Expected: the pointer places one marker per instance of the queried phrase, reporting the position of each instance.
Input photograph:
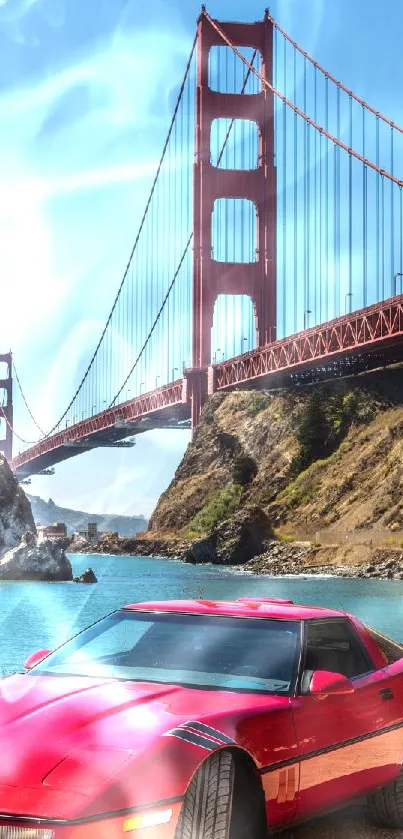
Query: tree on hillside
(312, 433)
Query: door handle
(386, 693)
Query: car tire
(207, 806)
(386, 804)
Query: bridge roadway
(362, 340)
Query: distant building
(51, 531)
(92, 530)
(91, 534)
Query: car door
(348, 743)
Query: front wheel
(207, 806)
(386, 804)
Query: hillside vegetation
(319, 458)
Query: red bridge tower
(6, 409)
(210, 277)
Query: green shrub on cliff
(244, 469)
(257, 403)
(325, 421)
(217, 508)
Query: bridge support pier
(6, 409)
(195, 391)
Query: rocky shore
(280, 558)
(242, 542)
(112, 545)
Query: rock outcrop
(234, 541)
(29, 561)
(280, 558)
(15, 510)
(87, 576)
(78, 544)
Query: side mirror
(35, 658)
(324, 683)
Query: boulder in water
(30, 561)
(87, 576)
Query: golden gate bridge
(270, 250)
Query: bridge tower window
(234, 144)
(234, 327)
(234, 230)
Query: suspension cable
(182, 259)
(331, 78)
(25, 401)
(159, 313)
(297, 110)
(14, 433)
(147, 207)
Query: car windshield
(256, 655)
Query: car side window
(335, 646)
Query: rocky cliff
(15, 510)
(322, 459)
(20, 556)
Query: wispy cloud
(59, 145)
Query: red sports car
(201, 720)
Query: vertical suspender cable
(238, 217)
(350, 204)
(242, 163)
(364, 217)
(337, 242)
(188, 213)
(175, 226)
(378, 293)
(401, 230)
(295, 174)
(392, 211)
(335, 313)
(315, 204)
(306, 231)
(284, 237)
(327, 201)
(383, 236)
(320, 278)
(225, 206)
(182, 187)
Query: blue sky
(84, 90)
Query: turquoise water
(35, 615)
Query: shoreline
(281, 560)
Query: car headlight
(11, 832)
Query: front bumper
(157, 822)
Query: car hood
(102, 724)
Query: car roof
(261, 607)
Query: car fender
(163, 774)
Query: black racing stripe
(125, 811)
(192, 737)
(212, 732)
(333, 748)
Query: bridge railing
(358, 332)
